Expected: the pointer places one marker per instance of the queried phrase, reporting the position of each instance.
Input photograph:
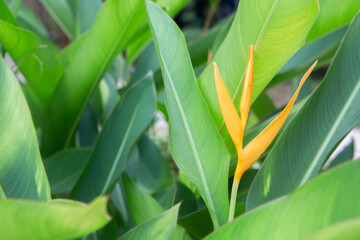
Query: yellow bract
(236, 125)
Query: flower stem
(233, 199)
(234, 190)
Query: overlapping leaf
(53, 220)
(277, 29)
(22, 173)
(35, 57)
(61, 12)
(126, 123)
(64, 168)
(327, 116)
(159, 227)
(333, 15)
(327, 199)
(116, 22)
(195, 144)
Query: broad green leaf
(263, 106)
(14, 6)
(142, 205)
(5, 13)
(172, 7)
(90, 61)
(59, 219)
(194, 141)
(159, 227)
(302, 148)
(34, 57)
(28, 20)
(87, 128)
(22, 173)
(187, 199)
(132, 163)
(329, 198)
(2, 194)
(198, 224)
(126, 123)
(152, 172)
(277, 29)
(346, 230)
(64, 168)
(333, 15)
(166, 197)
(200, 48)
(322, 49)
(86, 13)
(345, 155)
(118, 198)
(61, 12)
(146, 62)
(66, 55)
(110, 231)
(109, 95)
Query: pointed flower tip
(306, 75)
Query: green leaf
(87, 128)
(145, 63)
(159, 227)
(277, 29)
(64, 168)
(118, 199)
(61, 12)
(263, 106)
(22, 173)
(51, 220)
(142, 205)
(14, 6)
(98, 50)
(302, 148)
(346, 230)
(86, 13)
(5, 13)
(34, 57)
(194, 141)
(199, 48)
(125, 125)
(345, 155)
(2, 194)
(153, 172)
(329, 198)
(166, 197)
(172, 7)
(28, 20)
(187, 199)
(333, 15)
(322, 49)
(198, 224)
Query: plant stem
(209, 17)
(233, 198)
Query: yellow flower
(236, 125)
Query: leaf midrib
(190, 137)
(121, 149)
(330, 134)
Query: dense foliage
(126, 133)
